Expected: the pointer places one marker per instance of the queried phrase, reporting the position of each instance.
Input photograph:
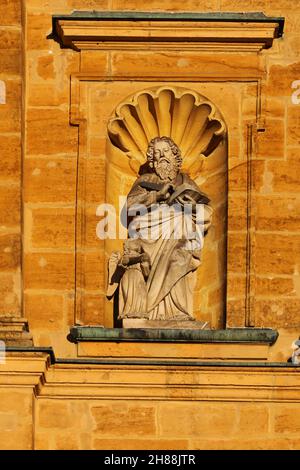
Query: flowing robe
(164, 233)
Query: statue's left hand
(185, 199)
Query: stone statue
(154, 276)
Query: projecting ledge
(140, 30)
(242, 344)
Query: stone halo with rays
(191, 121)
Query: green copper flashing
(231, 335)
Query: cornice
(146, 31)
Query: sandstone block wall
(11, 79)
(50, 165)
(36, 73)
(75, 407)
(38, 168)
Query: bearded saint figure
(155, 275)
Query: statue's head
(164, 157)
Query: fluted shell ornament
(192, 122)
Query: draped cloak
(173, 241)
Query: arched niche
(198, 128)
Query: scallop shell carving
(191, 121)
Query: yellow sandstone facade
(59, 85)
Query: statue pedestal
(169, 324)
(135, 345)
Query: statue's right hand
(165, 192)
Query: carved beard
(166, 169)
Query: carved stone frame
(235, 37)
